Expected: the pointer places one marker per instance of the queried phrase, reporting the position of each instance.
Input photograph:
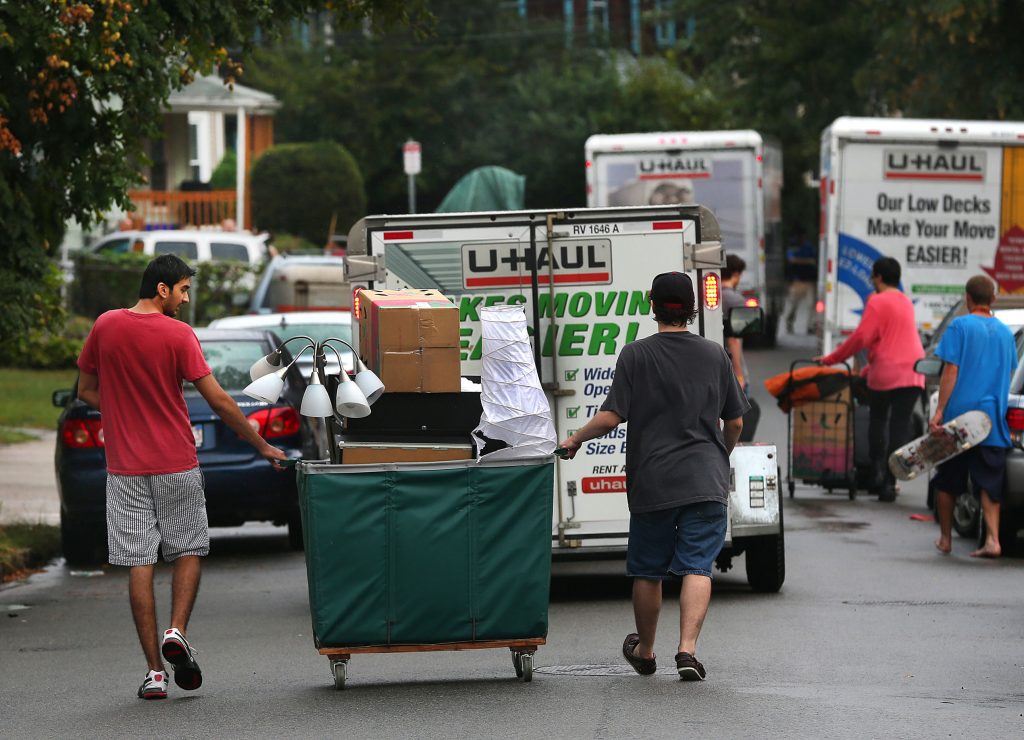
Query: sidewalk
(28, 485)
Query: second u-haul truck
(736, 174)
(945, 198)
(582, 277)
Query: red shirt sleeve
(191, 364)
(863, 336)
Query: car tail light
(1015, 420)
(276, 422)
(752, 303)
(82, 433)
(819, 307)
(712, 294)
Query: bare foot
(943, 545)
(988, 551)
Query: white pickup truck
(582, 277)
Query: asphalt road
(874, 634)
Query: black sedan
(240, 485)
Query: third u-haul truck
(582, 278)
(945, 198)
(736, 174)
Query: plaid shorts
(145, 512)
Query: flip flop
(643, 666)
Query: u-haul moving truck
(736, 174)
(945, 198)
(582, 278)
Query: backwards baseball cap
(672, 290)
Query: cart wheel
(517, 662)
(340, 670)
(526, 661)
(792, 488)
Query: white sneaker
(155, 686)
(182, 657)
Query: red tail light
(1015, 420)
(712, 294)
(82, 433)
(752, 303)
(279, 422)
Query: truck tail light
(82, 433)
(355, 303)
(276, 422)
(712, 293)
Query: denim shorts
(681, 541)
(984, 465)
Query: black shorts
(984, 465)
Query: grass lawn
(25, 396)
(26, 546)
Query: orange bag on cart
(806, 384)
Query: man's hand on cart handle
(273, 455)
(567, 449)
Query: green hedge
(105, 282)
(297, 187)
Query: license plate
(197, 432)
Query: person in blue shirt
(980, 356)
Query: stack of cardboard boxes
(410, 339)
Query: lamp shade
(267, 388)
(316, 401)
(370, 385)
(266, 365)
(350, 401)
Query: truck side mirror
(744, 321)
(928, 366)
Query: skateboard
(957, 435)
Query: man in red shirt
(132, 368)
(888, 330)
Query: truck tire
(85, 545)
(766, 563)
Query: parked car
(318, 325)
(301, 283)
(240, 485)
(967, 512)
(192, 245)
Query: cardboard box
(428, 370)
(363, 453)
(410, 338)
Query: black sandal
(643, 666)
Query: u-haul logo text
(672, 167)
(604, 484)
(915, 164)
(512, 264)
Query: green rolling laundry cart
(408, 557)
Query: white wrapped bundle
(515, 409)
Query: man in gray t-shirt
(675, 388)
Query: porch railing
(164, 209)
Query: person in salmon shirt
(888, 331)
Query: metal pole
(412, 193)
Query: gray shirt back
(673, 388)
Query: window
(114, 246)
(228, 251)
(230, 361)
(186, 250)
